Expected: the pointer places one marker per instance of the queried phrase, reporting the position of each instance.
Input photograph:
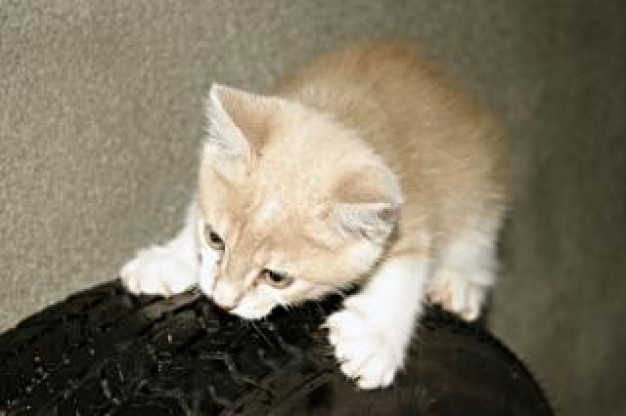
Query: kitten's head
(292, 205)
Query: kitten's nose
(225, 296)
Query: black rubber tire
(105, 352)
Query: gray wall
(101, 118)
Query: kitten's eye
(213, 239)
(277, 280)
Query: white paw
(367, 353)
(457, 294)
(156, 271)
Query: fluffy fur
(365, 166)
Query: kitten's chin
(249, 313)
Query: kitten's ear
(238, 127)
(368, 203)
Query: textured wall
(101, 118)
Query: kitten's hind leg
(372, 333)
(166, 269)
(465, 271)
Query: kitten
(365, 166)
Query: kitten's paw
(457, 294)
(156, 271)
(367, 353)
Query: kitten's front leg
(167, 269)
(372, 333)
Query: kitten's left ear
(238, 126)
(368, 203)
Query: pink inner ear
(368, 202)
(370, 184)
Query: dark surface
(104, 351)
(101, 120)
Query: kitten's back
(446, 149)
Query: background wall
(101, 120)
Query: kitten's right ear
(237, 128)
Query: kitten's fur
(365, 165)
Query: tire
(105, 352)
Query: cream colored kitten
(367, 165)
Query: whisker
(340, 292)
(262, 334)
